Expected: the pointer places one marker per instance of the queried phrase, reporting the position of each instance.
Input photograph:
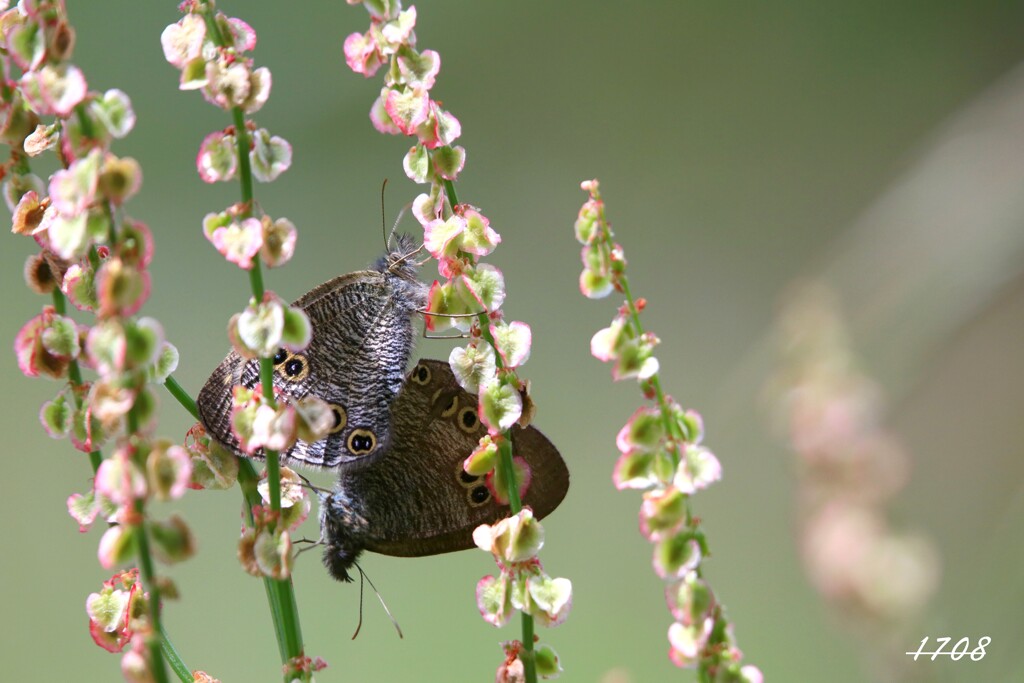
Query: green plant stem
(248, 478)
(174, 659)
(75, 375)
(85, 121)
(157, 662)
(638, 329)
(280, 594)
(181, 396)
(655, 381)
(244, 165)
(515, 504)
(449, 189)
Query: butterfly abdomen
(343, 527)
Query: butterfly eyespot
(465, 478)
(340, 419)
(296, 368)
(479, 495)
(420, 374)
(280, 356)
(451, 407)
(467, 420)
(361, 441)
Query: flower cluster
(522, 584)
(661, 454)
(469, 294)
(210, 49)
(850, 468)
(114, 610)
(213, 467)
(91, 254)
(512, 670)
(265, 548)
(212, 53)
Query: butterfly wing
(417, 500)
(361, 339)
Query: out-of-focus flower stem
(178, 666)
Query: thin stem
(248, 478)
(638, 329)
(182, 396)
(244, 166)
(668, 424)
(515, 504)
(508, 471)
(85, 121)
(289, 617)
(280, 594)
(655, 381)
(158, 666)
(174, 659)
(449, 189)
(75, 375)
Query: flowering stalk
(469, 297)
(662, 456)
(877, 577)
(94, 256)
(210, 50)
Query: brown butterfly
(355, 361)
(417, 499)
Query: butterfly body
(362, 335)
(417, 500)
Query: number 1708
(961, 649)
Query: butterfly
(417, 499)
(362, 336)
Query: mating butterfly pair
(398, 440)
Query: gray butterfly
(362, 336)
(416, 499)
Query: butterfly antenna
(359, 626)
(307, 484)
(394, 227)
(383, 224)
(362, 577)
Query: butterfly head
(401, 258)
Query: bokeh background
(741, 147)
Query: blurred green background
(740, 146)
